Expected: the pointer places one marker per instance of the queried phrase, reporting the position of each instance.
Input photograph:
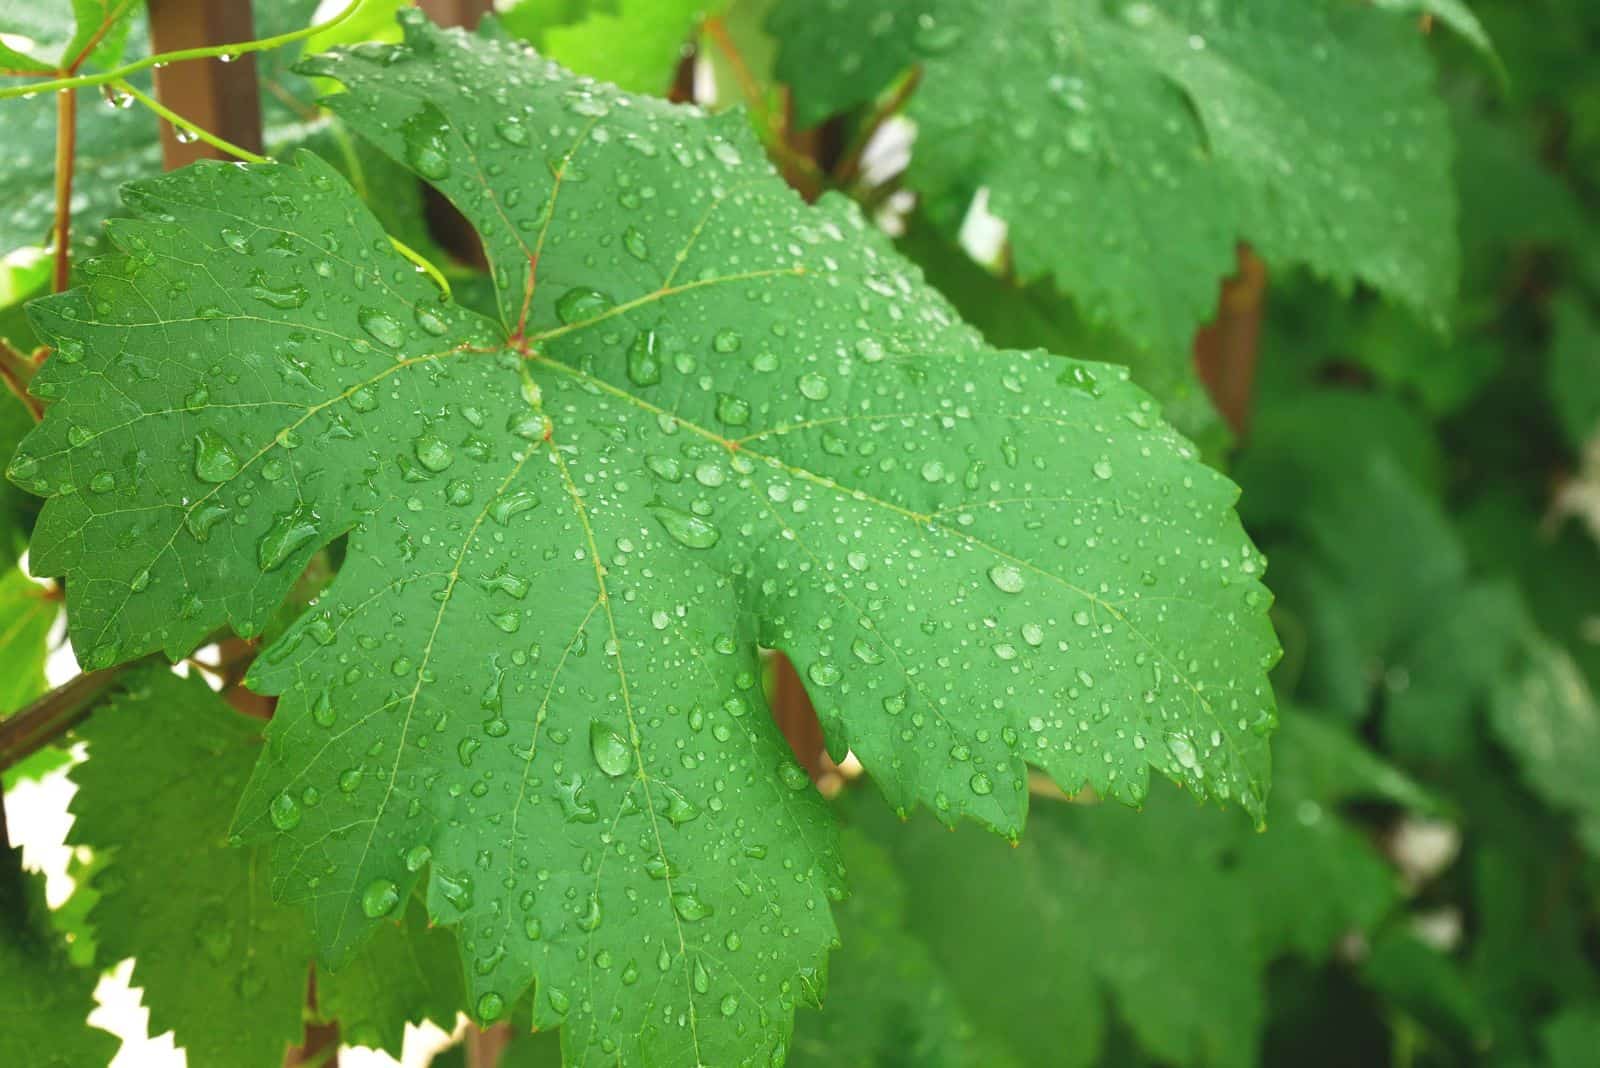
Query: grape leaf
(1574, 371)
(114, 145)
(887, 1001)
(1132, 144)
(708, 417)
(408, 973)
(62, 30)
(1454, 14)
(1432, 712)
(1571, 1036)
(221, 966)
(26, 615)
(638, 45)
(1011, 315)
(1548, 718)
(44, 1013)
(1172, 915)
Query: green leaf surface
(221, 965)
(408, 973)
(61, 30)
(26, 615)
(1171, 915)
(638, 46)
(887, 1002)
(1014, 316)
(17, 508)
(1432, 705)
(1571, 1038)
(1454, 14)
(1574, 371)
(1131, 145)
(1548, 718)
(45, 1000)
(535, 676)
(114, 145)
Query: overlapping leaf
(45, 1000)
(1170, 916)
(1131, 144)
(708, 418)
(219, 963)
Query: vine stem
(185, 125)
(237, 48)
(17, 370)
(27, 731)
(66, 157)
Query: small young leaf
(220, 964)
(47, 1000)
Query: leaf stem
(237, 48)
(66, 156)
(423, 264)
(17, 370)
(181, 123)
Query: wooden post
(1225, 350)
(447, 225)
(463, 13)
(223, 98)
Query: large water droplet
(383, 328)
(580, 304)
(432, 453)
(284, 812)
(288, 532)
(214, 460)
(611, 751)
(686, 529)
(1006, 578)
(379, 898)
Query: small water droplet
(379, 898)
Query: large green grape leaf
(1132, 144)
(1172, 916)
(220, 964)
(708, 418)
(45, 1000)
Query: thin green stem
(181, 123)
(237, 48)
(423, 264)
